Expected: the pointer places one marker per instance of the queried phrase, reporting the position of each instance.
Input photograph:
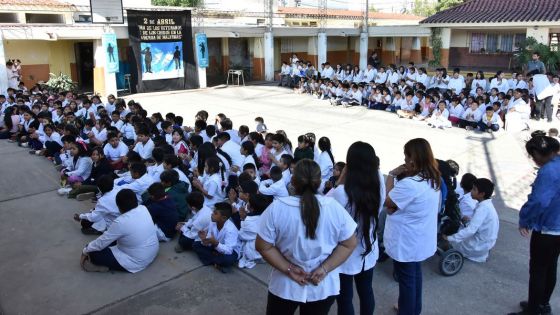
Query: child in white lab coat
(490, 120)
(466, 202)
(105, 211)
(249, 227)
(477, 239)
(440, 117)
(274, 186)
(199, 221)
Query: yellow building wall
(57, 54)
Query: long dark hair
(325, 145)
(250, 148)
(306, 179)
(362, 188)
(8, 119)
(205, 151)
(423, 163)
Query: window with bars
(494, 43)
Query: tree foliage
(429, 7)
(177, 3)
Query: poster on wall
(162, 50)
(109, 41)
(202, 50)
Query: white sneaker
(25, 144)
(64, 191)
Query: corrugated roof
(348, 13)
(43, 3)
(498, 11)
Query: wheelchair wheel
(450, 263)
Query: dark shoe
(382, 257)
(91, 231)
(543, 310)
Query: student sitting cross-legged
(250, 221)
(219, 244)
(135, 235)
(105, 211)
(162, 209)
(199, 221)
(477, 239)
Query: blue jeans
(208, 256)
(365, 293)
(409, 275)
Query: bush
(525, 50)
(60, 83)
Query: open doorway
(84, 65)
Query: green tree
(446, 4)
(177, 3)
(430, 7)
(525, 50)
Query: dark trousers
(185, 242)
(544, 107)
(483, 127)
(106, 258)
(278, 306)
(6, 134)
(365, 293)
(208, 256)
(464, 123)
(409, 275)
(35, 144)
(52, 148)
(543, 264)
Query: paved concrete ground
(40, 244)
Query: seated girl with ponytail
(211, 183)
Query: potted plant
(59, 83)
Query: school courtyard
(40, 244)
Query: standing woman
(361, 191)
(410, 237)
(305, 238)
(540, 217)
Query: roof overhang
(493, 25)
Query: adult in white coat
(518, 114)
(361, 190)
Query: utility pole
(364, 38)
(269, 41)
(322, 35)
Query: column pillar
(388, 51)
(312, 43)
(258, 58)
(225, 55)
(321, 49)
(541, 34)
(445, 45)
(200, 70)
(3, 72)
(364, 39)
(268, 56)
(416, 51)
(104, 83)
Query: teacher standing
(305, 238)
(540, 218)
(410, 237)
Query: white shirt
(104, 213)
(100, 135)
(55, 136)
(144, 149)
(135, 234)
(213, 186)
(276, 189)
(502, 86)
(411, 232)
(234, 151)
(119, 124)
(198, 222)
(422, 78)
(234, 136)
(114, 154)
(478, 83)
(81, 168)
(467, 205)
(327, 73)
(139, 185)
(282, 226)
(480, 235)
(248, 236)
(128, 131)
(155, 171)
(456, 111)
(326, 165)
(471, 115)
(456, 85)
(356, 262)
(227, 236)
(370, 75)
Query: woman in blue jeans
(361, 190)
(410, 237)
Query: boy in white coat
(199, 221)
(105, 212)
(479, 237)
(249, 227)
(274, 186)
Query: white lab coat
(104, 213)
(477, 239)
(276, 189)
(517, 121)
(247, 237)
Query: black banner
(162, 51)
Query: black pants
(543, 264)
(52, 148)
(278, 306)
(185, 242)
(106, 258)
(544, 107)
(365, 293)
(464, 123)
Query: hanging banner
(109, 41)
(161, 43)
(202, 50)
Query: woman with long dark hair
(305, 238)
(361, 191)
(540, 218)
(410, 237)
